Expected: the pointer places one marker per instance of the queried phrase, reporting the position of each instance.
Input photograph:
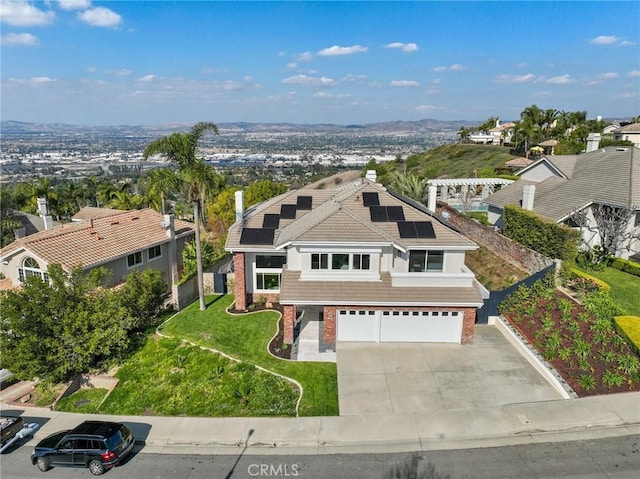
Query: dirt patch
(492, 271)
(277, 346)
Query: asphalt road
(616, 457)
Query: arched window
(30, 267)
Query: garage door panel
(356, 327)
(421, 329)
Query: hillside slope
(458, 161)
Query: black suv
(97, 445)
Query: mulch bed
(589, 364)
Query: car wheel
(43, 464)
(96, 467)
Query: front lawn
(168, 377)
(625, 288)
(246, 337)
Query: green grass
(625, 288)
(168, 377)
(82, 401)
(246, 337)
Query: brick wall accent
(486, 236)
(329, 325)
(289, 316)
(468, 325)
(241, 285)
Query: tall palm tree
(162, 181)
(411, 185)
(180, 149)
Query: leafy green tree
(262, 190)
(196, 177)
(411, 185)
(53, 330)
(209, 255)
(221, 212)
(490, 123)
(143, 295)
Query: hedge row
(627, 266)
(577, 273)
(629, 327)
(540, 234)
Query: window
(268, 281)
(421, 261)
(339, 261)
(270, 261)
(319, 261)
(361, 261)
(155, 252)
(134, 259)
(30, 267)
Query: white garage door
(423, 327)
(359, 325)
(399, 326)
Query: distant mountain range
(10, 127)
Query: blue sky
(155, 62)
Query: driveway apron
(407, 378)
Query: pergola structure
(465, 190)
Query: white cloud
(24, 39)
(41, 80)
(100, 17)
(561, 80)
(292, 65)
(456, 67)
(19, 13)
(147, 78)
(330, 96)
(626, 95)
(426, 108)
(405, 47)
(604, 40)
(74, 4)
(626, 43)
(92, 69)
(123, 72)
(304, 57)
(336, 50)
(322, 82)
(634, 74)
(607, 76)
(529, 77)
(404, 83)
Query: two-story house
(372, 265)
(121, 241)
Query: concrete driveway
(406, 378)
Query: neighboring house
(629, 132)
(121, 241)
(369, 264)
(498, 135)
(556, 186)
(33, 223)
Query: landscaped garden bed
(579, 341)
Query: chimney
(433, 193)
(44, 213)
(371, 175)
(528, 195)
(239, 205)
(593, 142)
(169, 226)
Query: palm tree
(162, 181)
(411, 185)
(464, 134)
(196, 176)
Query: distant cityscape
(56, 150)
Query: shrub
(585, 283)
(601, 305)
(541, 234)
(626, 265)
(629, 328)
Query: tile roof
(99, 238)
(610, 176)
(339, 216)
(294, 291)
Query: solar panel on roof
(425, 229)
(370, 198)
(288, 212)
(304, 202)
(378, 213)
(395, 213)
(407, 229)
(271, 221)
(257, 236)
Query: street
(615, 457)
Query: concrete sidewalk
(599, 416)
